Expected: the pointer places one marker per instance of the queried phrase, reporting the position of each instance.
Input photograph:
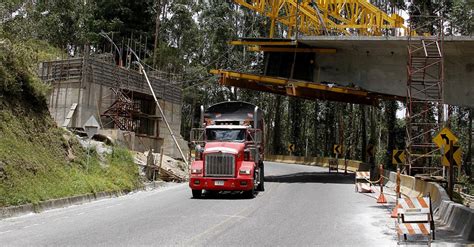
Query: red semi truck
(229, 149)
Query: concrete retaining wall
(449, 216)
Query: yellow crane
(321, 17)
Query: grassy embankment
(39, 161)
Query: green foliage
(462, 17)
(123, 18)
(297, 137)
(467, 184)
(457, 198)
(17, 76)
(43, 51)
(44, 176)
(33, 155)
(38, 161)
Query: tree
(461, 17)
(391, 121)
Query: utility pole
(363, 122)
(451, 170)
(469, 146)
(372, 140)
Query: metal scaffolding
(123, 112)
(424, 113)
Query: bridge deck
(376, 64)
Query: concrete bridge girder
(379, 64)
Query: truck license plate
(219, 183)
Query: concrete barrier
(456, 218)
(449, 216)
(352, 165)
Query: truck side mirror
(199, 149)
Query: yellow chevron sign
(338, 149)
(398, 157)
(457, 156)
(291, 147)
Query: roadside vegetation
(39, 161)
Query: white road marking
(234, 216)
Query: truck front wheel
(249, 193)
(197, 193)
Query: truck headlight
(196, 171)
(245, 172)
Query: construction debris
(164, 168)
(153, 167)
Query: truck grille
(220, 165)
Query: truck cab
(229, 150)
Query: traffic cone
(395, 211)
(381, 198)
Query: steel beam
(301, 89)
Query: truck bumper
(229, 184)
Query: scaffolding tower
(424, 112)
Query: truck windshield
(225, 134)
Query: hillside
(39, 161)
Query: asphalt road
(301, 206)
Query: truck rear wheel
(197, 193)
(260, 186)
